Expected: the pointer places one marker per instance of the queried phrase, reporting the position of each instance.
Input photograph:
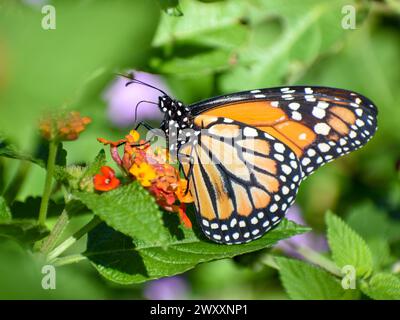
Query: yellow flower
(144, 173)
(133, 136)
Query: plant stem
(51, 162)
(269, 260)
(72, 239)
(318, 259)
(310, 256)
(55, 233)
(73, 258)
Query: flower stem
(73, 258)
(309, 255)
(55, 233)
(269, 260)
(72, 239)
(51, 162)
(318, 259)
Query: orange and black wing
(242, 179)
(318, 124)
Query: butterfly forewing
(318, 124)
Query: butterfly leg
(190, 170)
(143, 124)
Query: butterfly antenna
(137, 105)
(133, 80)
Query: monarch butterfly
(277, 137)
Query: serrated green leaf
(130, 210)
(347, 247)
(382, 286)
(120, 260)
(24, 231)
(5, 213)
(310, 29)
(303, 281)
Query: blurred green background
(201, 49)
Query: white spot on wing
(322, 128)
(250, 132)
(318, 112)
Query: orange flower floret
(106, 180)
(182, 192)
(184, 218)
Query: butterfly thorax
(177, 120)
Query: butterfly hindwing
(242, 179)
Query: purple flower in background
(171, 288)
(36, 2)
(310, 239)
(122, 100)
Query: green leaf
(61, 173)
(310, 28)
(203, 42)
(24, 231)
(199, 19)
(5, 213)
(348, 248)
(143, 243)
(382, 286)
(303, 281)
(120, 260)
(129, 209)
(9, 150)
(205, 62)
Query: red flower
(106, 180)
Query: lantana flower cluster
(63, 126)
(149, 166)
